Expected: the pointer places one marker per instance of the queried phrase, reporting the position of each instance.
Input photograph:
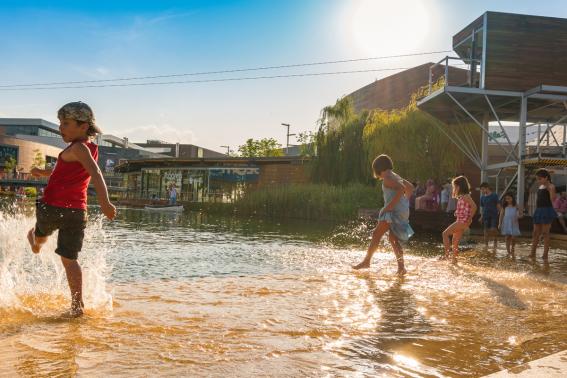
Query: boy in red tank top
(64, 202)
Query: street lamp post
(227, 150)
(287, 137)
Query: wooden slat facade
(395, 91)
(522, 51)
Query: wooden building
(517, 73)
(396, 91)
(515, 52)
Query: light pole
(227, 150)
(287, 136)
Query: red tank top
(68, 183)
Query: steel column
(484, 151)
(522, 151)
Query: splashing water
(37, 284)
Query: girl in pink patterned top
(466, 208)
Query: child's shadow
(502, 293)
(399, 324)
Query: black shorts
(71, 224)
(490, 221)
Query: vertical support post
(484, 152)
(160, 184)
(497, 184)
(549, 131)
(208, 184)
(538, 138)
(522, 151)
(142, 184)
(473, 60)
(564, 138)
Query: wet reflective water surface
(186, 294)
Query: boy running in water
(64, 202)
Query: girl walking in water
(544, 213)
(394, 216)
(508, 224)
(466, 208)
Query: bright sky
(79, 40)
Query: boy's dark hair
(504, 204)
(463, 184)
(381, 163)
(542, 172)
(485, 185)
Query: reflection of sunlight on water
(406, 361)
(273, 307)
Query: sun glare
(382, 27)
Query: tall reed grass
(305, 201)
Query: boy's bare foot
(401, 271)
(73, 313)
(31, 239)
(363, 265)
(454, 260)
(444, 257)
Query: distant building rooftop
(28, 122)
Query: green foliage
(347, 143)
(307, 141)
(30, 192)
(309, 201)
(10, 163)
(265, 147)
(38, 160)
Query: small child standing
(508, 223)
(490, 207)
(394, 216)
(544, 213)
(64, 202)
(466, 208)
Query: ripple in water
(200, 297)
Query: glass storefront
(207, 184)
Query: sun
(382, 27)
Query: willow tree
(338, 143)
(415, 141)
(347, 143)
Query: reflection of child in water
(394, 216)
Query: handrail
(445, 62)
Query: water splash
(37, 284)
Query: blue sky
(79, 40)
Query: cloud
(96, 73)
(162, 131)
(166, 17)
